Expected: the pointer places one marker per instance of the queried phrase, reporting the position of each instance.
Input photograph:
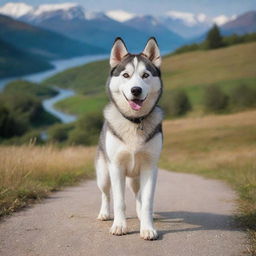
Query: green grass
(22, 86)
(87, 79)
(82, 104)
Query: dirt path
(193, 216)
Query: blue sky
(156, 7)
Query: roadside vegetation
(28, 172)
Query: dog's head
(135, 84)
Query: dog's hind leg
(134, 184)
(103, 182)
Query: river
(59, 65)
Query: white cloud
(120, 15)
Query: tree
(214, 39)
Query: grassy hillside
(191, 72)
(15, 62)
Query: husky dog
(131, 138)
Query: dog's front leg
(117, 177)
(147, 183)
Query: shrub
(59, 132)
(214, 99)
(10, 124)
(87, 129)
(243, 96)
(176, 104)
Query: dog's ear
(152, 52)
(118, 52)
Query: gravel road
(192, 214)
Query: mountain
(15, 10)
(150, 25)
(120, 15)
(15, 62)
(39, 41)
(95, 28)
(245, 23)
(186, 24)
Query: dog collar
(136, 120)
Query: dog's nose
(136, 91)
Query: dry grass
(222, 147)
(29, 172)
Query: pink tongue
(135, 105)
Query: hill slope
(39, 41)
(191, 72)
(15, 62)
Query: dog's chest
(130, 150)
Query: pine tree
(214, 39)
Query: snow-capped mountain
(191, 25)
(187, 18)
(152, 26)
(67, 11)
(120, 15)
(100, 28)
(15, 10)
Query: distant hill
(15, 62)
(41, 42)
(243, 24)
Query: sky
(157, 7)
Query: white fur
(120, 86)
(131, 157)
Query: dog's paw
(118, 230)
(149, 234)
(103, 216)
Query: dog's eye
(145, 75)
(126, 75)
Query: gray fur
(129, 59)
